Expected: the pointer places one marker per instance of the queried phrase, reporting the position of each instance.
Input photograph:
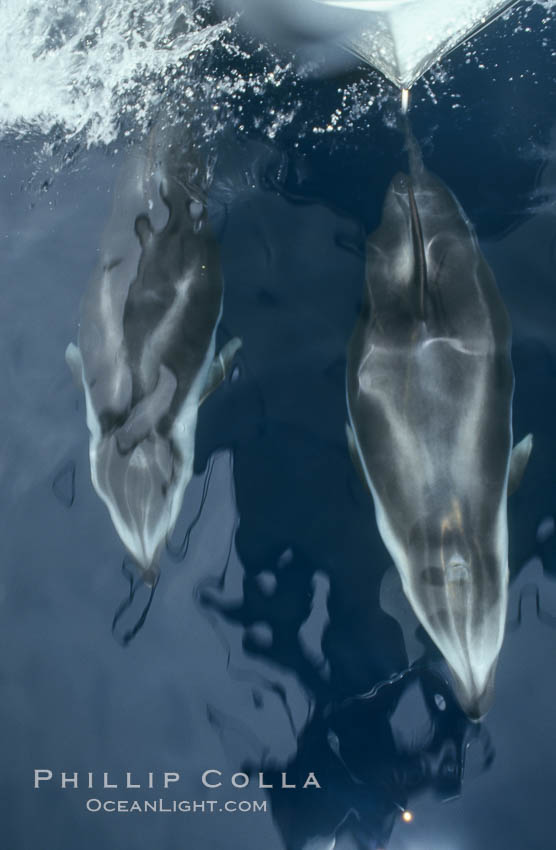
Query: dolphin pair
(146, 348)
(429, 394)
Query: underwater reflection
(375, 764)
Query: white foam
(79, 65)
(86, 72)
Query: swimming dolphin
(146, 350)
(429, 394)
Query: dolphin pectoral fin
(75, 363)
(220, 367)
(228, 352)
(354, 455)
(143, 229)
(518, 462)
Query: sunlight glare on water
(80, 65)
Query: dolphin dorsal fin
(518, 462)
(418, 251)
(416, 169)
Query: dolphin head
(142, 485)
(141, 462)
(457, 584)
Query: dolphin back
(424, 266)
(429, 391)
(147, 342)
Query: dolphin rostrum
(429, 393)
(146, 350)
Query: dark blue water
(271, 645)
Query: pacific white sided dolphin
(146, 348)
(429, 393)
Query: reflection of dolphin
(429, 388)
(146, 354)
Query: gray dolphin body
(429, 391)
(146, 351)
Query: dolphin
(429, 394)
(146, 348)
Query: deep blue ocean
(278, 640)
